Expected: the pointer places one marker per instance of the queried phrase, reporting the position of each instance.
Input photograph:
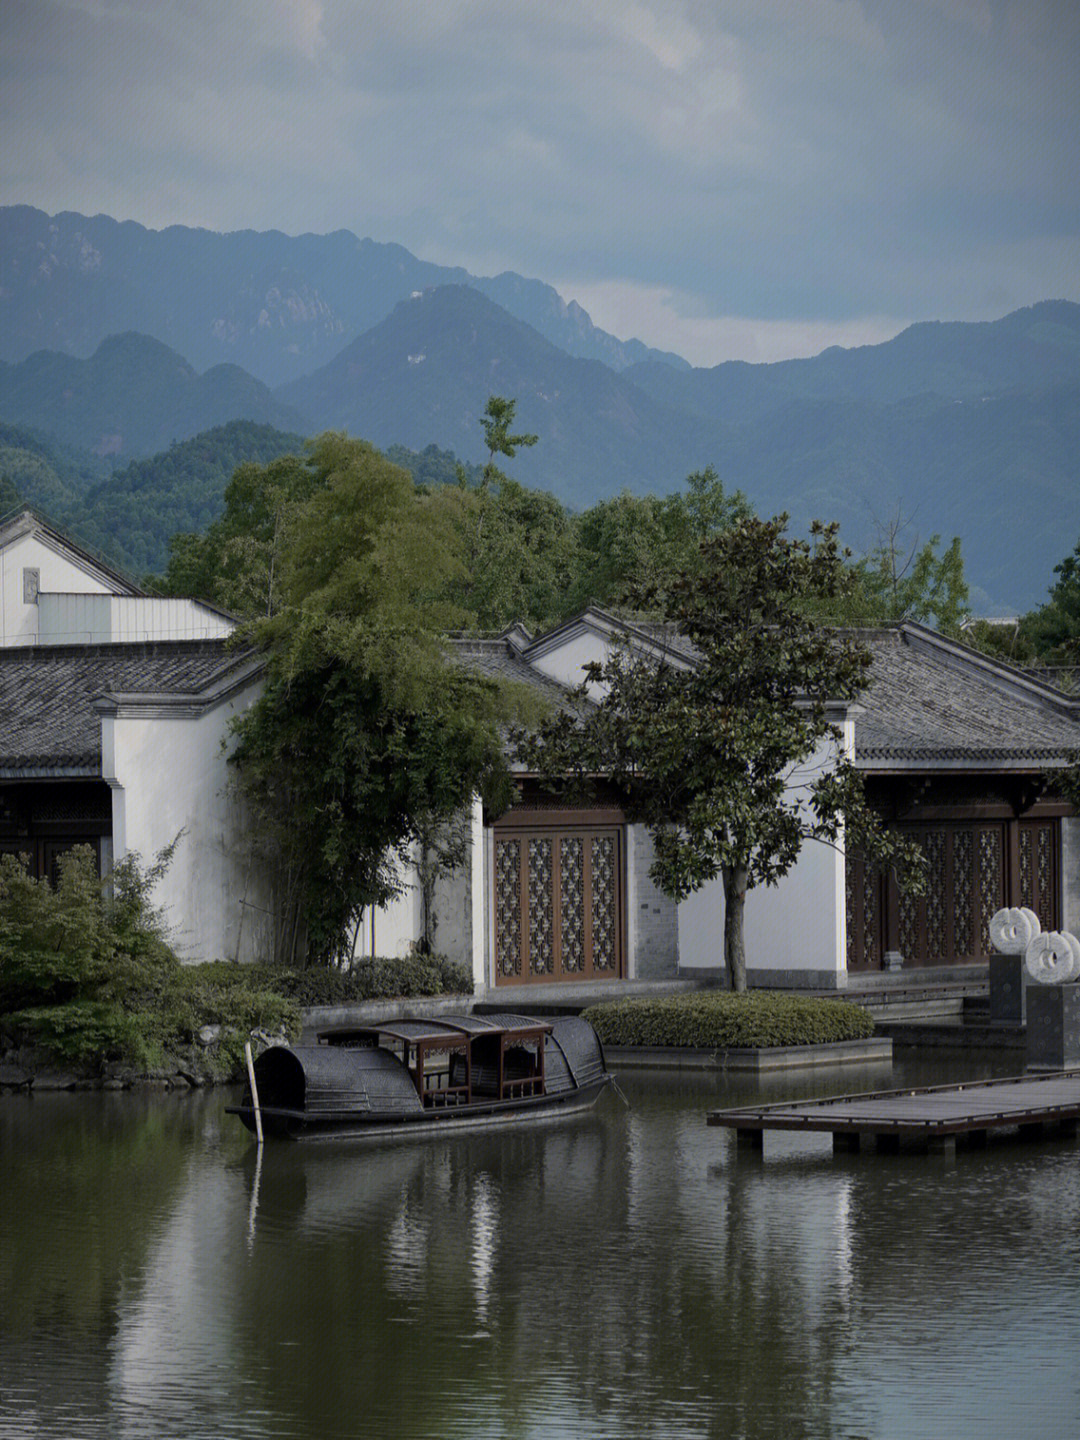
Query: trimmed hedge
(376, 979)
(719, 1019)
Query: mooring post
(254, 1092)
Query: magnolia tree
(706, 738)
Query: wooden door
(558, 904)
(974, 867)
(965, 885)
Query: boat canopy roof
(423, 1030)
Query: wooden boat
(416, 1076)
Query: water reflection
(626, 1274)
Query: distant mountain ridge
(132, 397)
(424, 373)
(274, 304)
(1030, 349)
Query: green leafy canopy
(731, 756)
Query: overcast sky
(725, 178)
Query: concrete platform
(762, 1060)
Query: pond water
(629, 1274)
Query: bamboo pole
(254, 1093)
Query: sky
(728, 179)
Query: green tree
(236, 563)
(633, 539)
(732, 760)
(496, 420)
(517, 545)
(1052, 631)
(520, 556)
(367, 735)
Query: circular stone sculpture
(1053, 958)
(1012, 931)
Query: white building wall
(169, 775)
(72, 619)
(795, 931)
(460, 899)
(566, 663)
(19, 616)
(156, 618)
(69, 619)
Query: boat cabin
(459, 1061)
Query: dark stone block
(1008, 990)
(1053, 1026)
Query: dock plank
(1028, 1101)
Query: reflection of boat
(414, 1077)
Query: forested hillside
(133, 396)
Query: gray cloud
(810, 162)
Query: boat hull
(364, 1126)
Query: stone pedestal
(1008, 990)
(1053, 1026)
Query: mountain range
(957, 428)
(276, 305)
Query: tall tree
(496, 420)
(730, 758)
(902, 578)
(1052, 631)
(366, 735)
(631, 539)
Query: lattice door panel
(965, 884)
(558, 905)
(1038, 870)
(865, 914)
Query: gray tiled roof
(501, 660)
(47, 719)
(930, 702)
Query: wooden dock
(934, 1118)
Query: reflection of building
(114, 721)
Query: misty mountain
(134, 396)
(425, 373)
(968, 429)
(276, 305)
(1032, 349)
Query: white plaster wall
(19, 620)
(797, 926)
(566, 663)
(390, 930)
(460, 898)
(73, 619)
(156, 618)
(70, 619)
(170, 775)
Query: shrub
(719, 1019)
(90, 1034)
(87, 976)
(380, 978)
